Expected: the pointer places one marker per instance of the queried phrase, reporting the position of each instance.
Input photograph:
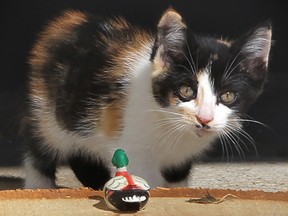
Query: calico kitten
(99, 85)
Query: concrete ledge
(85, 201)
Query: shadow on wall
(10, 183)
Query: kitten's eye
(186, 93)
(228, 97)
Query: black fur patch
(86, 86)
(90, 172)
(177, 173)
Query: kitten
(99, 85)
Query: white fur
(205, 97)
(34, 179)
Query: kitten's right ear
(171, 36)
(255, 48)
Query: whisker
(191, 72)
(231, 71)
(191, 66)
(236, 130)
(165, 122)
(235, 140)
(197, 61)
(191, 62)
(231, 63)
(168, 131)
(223, 145)
(248, 120)
(165, 111)
(228, 143)
(168, 137)
(178, 135)
(244, 134)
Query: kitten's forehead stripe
(206, 99)
(225, 42)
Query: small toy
(125, 192)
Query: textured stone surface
(266, 176)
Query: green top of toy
(120, 158)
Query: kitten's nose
(204, 122)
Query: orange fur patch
(159, 66)
(173, 100)
(57, 31)
(38, 89)
(111, 119)
(225, 42)
(171, 17)
(126, 57)
(64, 25)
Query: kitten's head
(208, 82)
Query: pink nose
(203, 120)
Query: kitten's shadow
(10, 183)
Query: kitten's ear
(255, 49)
(171, 36)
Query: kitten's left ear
(171, 36)
(255, 48)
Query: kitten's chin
(205, 133)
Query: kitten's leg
(40, 166)
(90, 172)
(177, 176)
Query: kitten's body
(97, 86)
